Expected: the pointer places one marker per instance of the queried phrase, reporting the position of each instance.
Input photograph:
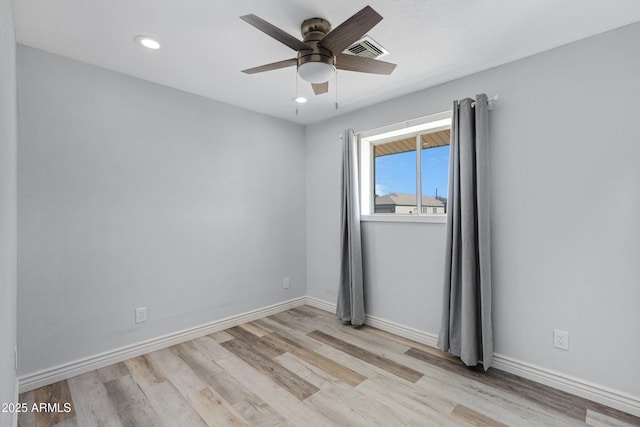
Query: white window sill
(432, 219)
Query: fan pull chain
(296, 98)
(336, 85)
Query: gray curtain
(466, 330)
(350, 298)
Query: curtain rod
(490, 101)
(408, 123)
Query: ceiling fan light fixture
(316, 72)
(148, 42)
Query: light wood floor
(304, 367)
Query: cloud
(381, 189)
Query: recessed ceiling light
(300, 99)
(147, 42)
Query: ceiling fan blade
(345, 34)
(275, 32)
(272, 66)
(320, 88)
(363, 65)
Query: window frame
(369, 139)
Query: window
(401, 162)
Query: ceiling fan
(320, 51)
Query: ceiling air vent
(367, 47)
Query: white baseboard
(403, 331)
(576, 386)
(321, 304)
(382, 324)
(67, 370)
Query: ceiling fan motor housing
(313, 30)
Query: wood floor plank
(293, 322)
(220, 336)
(144, 372)
(177, 371)
(113, 372)
(304, 370)
(362, 337)
(338, 371)
(210, 372)
(301, 314)
(552, 398)
(299, 337)
(73, 422)
(260, 415)
(344, 359)
(249, 406)
(318, 315)
(372, 412)
(280, 375)
(211, 348)
(334, 404)
(131, 404)
(611, 413)
(373, 343)
(504, 407)
(255, 329)
(408, 405)
(406, 341)
(597, 419)
(311, 312)
(474, 417)
(420, 403)
(93, 406)
(58, 395)
(214, 410)
(293, 410)
(172, 408)
(258, 345)
(388, 365)
(313, 321)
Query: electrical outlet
(141, 314)
(285, 283)
(561, 339)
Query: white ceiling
(205, 44)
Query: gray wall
(8, 117)
(133, 194)
(564, 137)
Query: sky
(396, 173)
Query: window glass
(435, 172)
(395, 177)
